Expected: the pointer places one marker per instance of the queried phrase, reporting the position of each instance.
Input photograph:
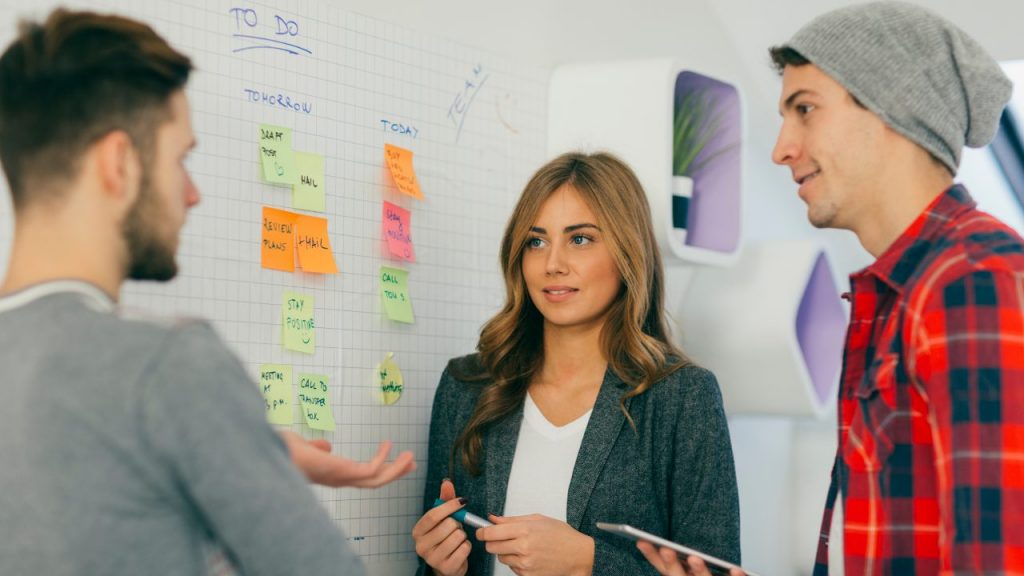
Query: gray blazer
(673, 477)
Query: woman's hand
(440, 540)
(537, 545)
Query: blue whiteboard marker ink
(466, 517)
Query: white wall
(783, 465)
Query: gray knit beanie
(918, 72)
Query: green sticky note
(276, 386)
(315, 403)
(308, 192)
(276, 155)
(394, 290)
(297, 323)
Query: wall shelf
(771, 328)
(628, 108)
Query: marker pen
(466, 517)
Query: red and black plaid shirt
(930, 462)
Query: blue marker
(466, 517)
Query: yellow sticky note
(394, 290)
(276, 386)
(399, 162)
(398, 231)
(314, 245)
(276, 155)
(314, 401)
(308, 192)
(389, 380)
(278, 245)
(297, 323)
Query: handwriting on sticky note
(398, 231)
(276, 386)
(394, 290)
(308, 192)
(299, 330)
(277, 250)
(314, 245)
(389, 380)
(399, 162)
(314, 401)
(276, 155)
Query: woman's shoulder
(688, 382)
(462, 379)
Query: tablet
(715, 565)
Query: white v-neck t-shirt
(542, 467)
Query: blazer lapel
(606, 421)
(499, 450)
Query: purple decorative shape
(714, 217)
(820, 329)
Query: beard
(149, 256)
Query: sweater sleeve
(705, 497)
(204, 420)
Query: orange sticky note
(398, 231)
(278, 247)
(399, 161)
(314, 245)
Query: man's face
(834, 147)
(166, 192)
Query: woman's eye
(581, 240)
(534, 243)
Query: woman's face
(567, 265)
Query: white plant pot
(682, 187)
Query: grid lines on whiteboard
(364, 83)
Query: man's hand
(314, 459)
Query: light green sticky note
(276, 386)
(299, 332)
(394, 290)
(308, 192)
(315, 403)
(276, 155)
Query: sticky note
(297, 323)
(315, 404)
(308, 192)
(276, 386)
(276, 155)
(389, 380)
(399, 162)
(394, 290)
(314, 245)
(397, 231)
(278, 247)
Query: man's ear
(118, 166)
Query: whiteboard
(345, 84)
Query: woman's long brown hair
(635, 339)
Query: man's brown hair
(70, 81)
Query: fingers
(447, 490)
(321, 444)
(435, 516)
(664, 560)
(378, 475)
(440, 541)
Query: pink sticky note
(398, 232)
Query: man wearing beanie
(877, 102)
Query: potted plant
(698, 118)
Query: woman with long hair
(577, 408)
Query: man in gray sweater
(130, 446)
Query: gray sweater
(673, 477)
(130, 447)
